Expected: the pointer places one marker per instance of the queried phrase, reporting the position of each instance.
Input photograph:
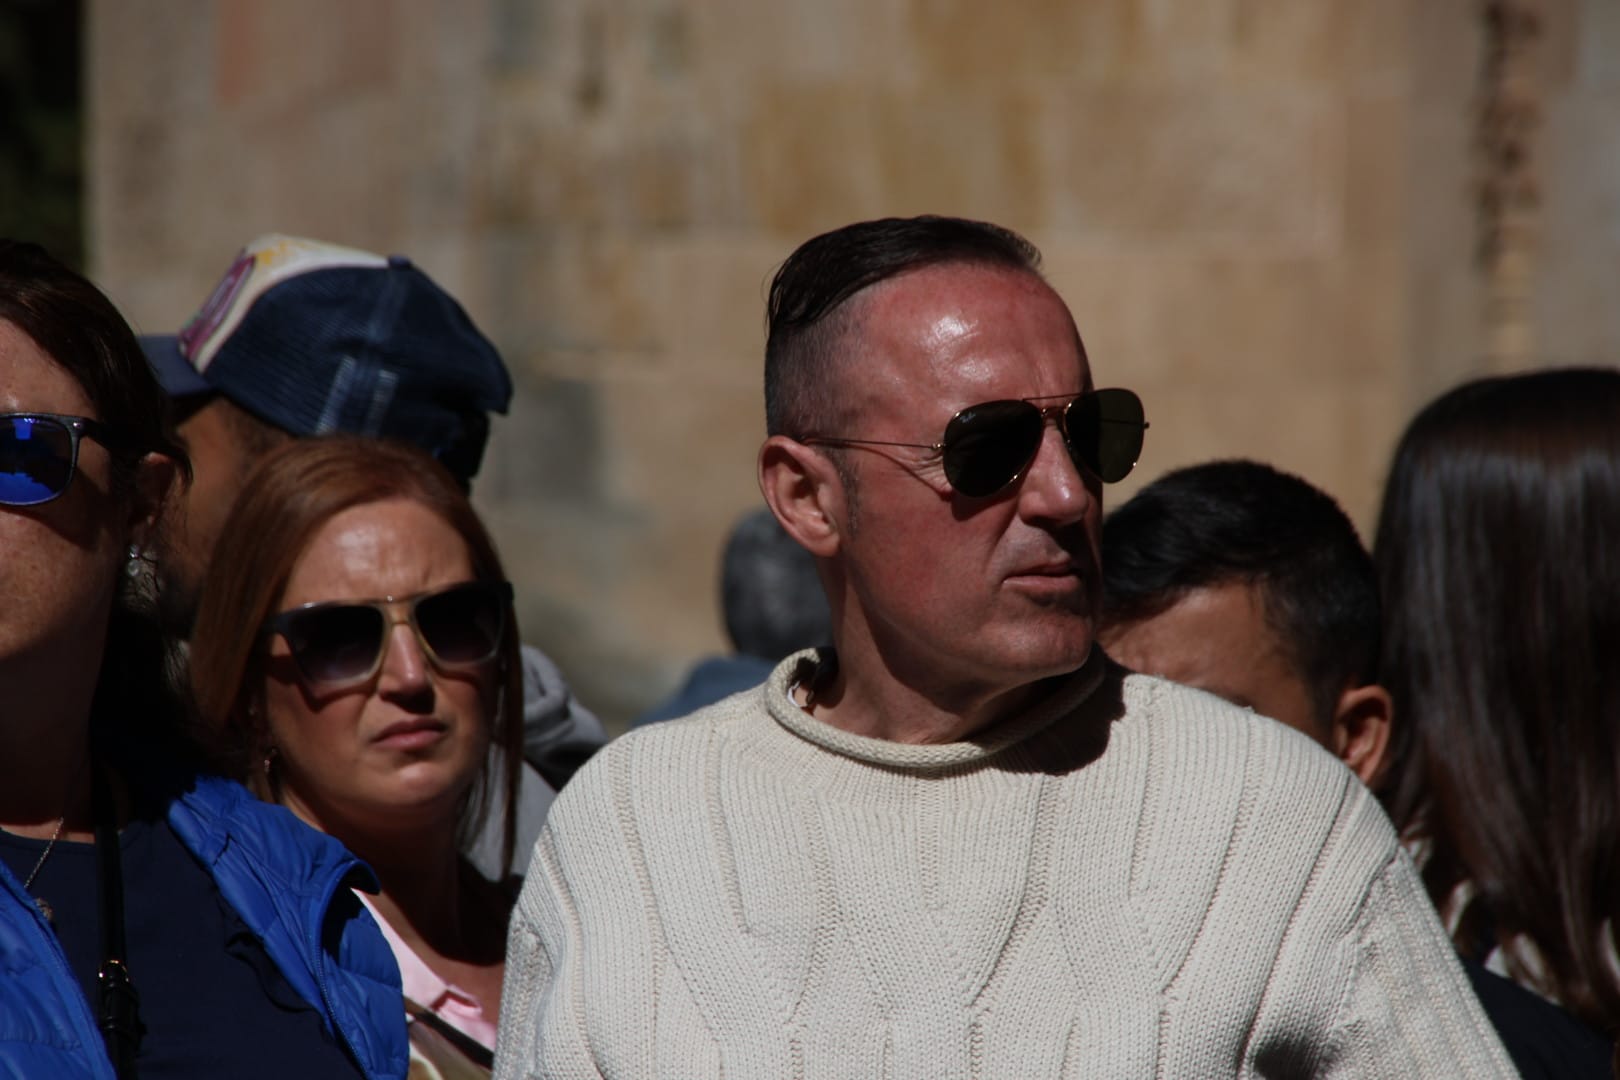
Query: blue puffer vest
(282, 878)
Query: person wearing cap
(303, 338)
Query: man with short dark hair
(303, 338)
(962, 842)
(1248, 582)
(1252, 584)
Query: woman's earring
(134, 565)
(270, 756)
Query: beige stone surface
(1261, 211)
(1577, 301)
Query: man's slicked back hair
(805, 323)
(1229, 522)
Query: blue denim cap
(315, 338)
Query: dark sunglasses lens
(987, 445)
(462, 625)
(36, 460)
(1105, 432)
(335, 644)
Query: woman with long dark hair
(154, 920)
(1498, 550)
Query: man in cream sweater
(963, 843)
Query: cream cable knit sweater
(1132, 880)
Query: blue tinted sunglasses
(40, 451)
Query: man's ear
(1361, 724)
(805, 493)
(157, 484)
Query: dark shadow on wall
(41, 125)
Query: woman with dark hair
(152, 920)
(355, 659)
(1498, 551)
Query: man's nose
(1055, 490)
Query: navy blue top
(712, 679)
(212, 1002)
(1544, 1041)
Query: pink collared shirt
(449, 1002)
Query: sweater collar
(1066, 695)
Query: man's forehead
(920, 290)
(967, 331)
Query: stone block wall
(1261, 212)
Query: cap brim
(174, 372)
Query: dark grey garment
(559, 734)
(534, 800)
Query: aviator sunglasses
(988, 446)
(342, 643)
(39, 453)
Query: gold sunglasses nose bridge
(1058, 415)
(401, 613)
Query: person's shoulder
(1171, 708)
(1225, 787)
(203, 806)
(1205, 741)
(666, 752)
(214, 816)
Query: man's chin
(1054, 649)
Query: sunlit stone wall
(1262, 212)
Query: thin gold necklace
(39, 901)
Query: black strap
(470, 1048)
(120, 1019)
